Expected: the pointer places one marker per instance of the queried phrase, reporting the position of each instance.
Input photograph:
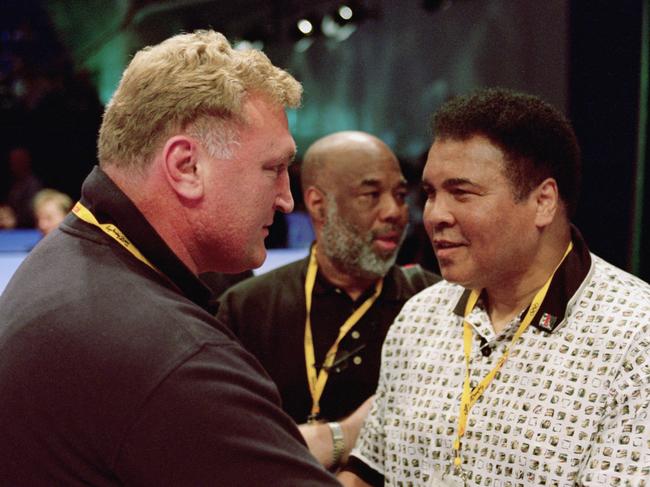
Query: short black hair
(537, 139)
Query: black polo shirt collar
(393, 288)
(110, 205)
(570, 277)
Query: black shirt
(114, 374)
(267, 313)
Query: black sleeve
(215, 420)
(364, 472)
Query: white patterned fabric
(571, 405)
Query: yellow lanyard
(111, 230)
(317, 380)
(470, 396)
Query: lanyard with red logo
(470, 396)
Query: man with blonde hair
(114, 370)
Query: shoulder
(110, 310)
(257, 298)
(608, 284)
(442, 295)
(433, 306)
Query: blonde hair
(62, 200)
(195, 82)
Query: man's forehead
(472, 154)
(350, 186)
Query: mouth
(388, 241)
(445, 248)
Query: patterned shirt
(571, 405)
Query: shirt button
(357, 360)
(355, 334)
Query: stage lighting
(345, 13)
(305, 27)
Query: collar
(394, 288)
(109, 204)
(568, 280)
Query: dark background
(386, 73)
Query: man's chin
(243, 262)
(455, 277)
(257, 259)
(387, 260)
(385, 249)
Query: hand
(319, 437)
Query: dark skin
(363, 176)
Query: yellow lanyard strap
(470, 396)
(111, 230)
(317, 380)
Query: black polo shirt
(268, 312)
(112, 373)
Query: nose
(393, 209)
(437, 214)
(284, 200)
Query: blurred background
(382, 66)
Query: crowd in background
(49, 116)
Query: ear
(315, 202)
(182, 168)
(547, 201)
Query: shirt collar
(109, 204)
(569, 278)
(393, 288)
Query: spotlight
(345, 12)
(305, 27)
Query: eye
(277, 169)
(460, 193)
(429, 191)
(401, 195)
(369, 195)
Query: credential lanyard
(318, 379)
(470, 396)
(112, 231)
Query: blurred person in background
(50, 208)
(7, 217)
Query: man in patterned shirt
(530, 363)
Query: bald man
(317, 325)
